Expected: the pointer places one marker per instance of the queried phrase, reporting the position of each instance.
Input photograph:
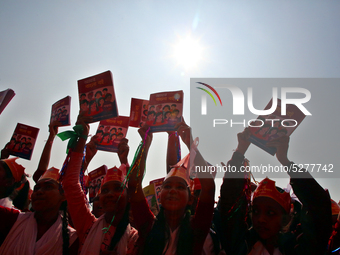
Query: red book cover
(272, 126)
(95, 181)
(165, 110)
(97, 97)
(157, 184)
(110, 132)
(5, 97)
(138, 112)
(61, 111)
(23, 141)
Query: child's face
(46, 195)
(109, 195)
(267, 217)
(174, 195)
(84, 107)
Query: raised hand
(123, 151)
(281, 144)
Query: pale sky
(46, 46)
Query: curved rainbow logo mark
(213, 90)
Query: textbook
(23, 141)
(5, 97)
(61, 111)
(95, 181)
(165, 111)
(269, 127)
(138, 112)
(157, 185)
(149, 193)
(110, 132)
(97, 97)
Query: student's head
(174, 113)
(98, 94)
(166, 108)
(105, 138)
(108, 97)
(84, 105)
(167, 115)
(159, 117)
(99, 134)
(104, 91)
(101, 102)
(93, 106)
(29, 145)
(151, 115)
(17, 146)
(270, 210)
(90, 95)
(47, 194)
(113, 137)
(11, 174)
(173, 106)
(82, 96)
(282, 132)
(263, 130)
(273, 131)
(113, 130)
(113, 196)
(175, 194)
(151, 108)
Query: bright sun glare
(188, 52)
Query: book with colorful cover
(158, 185)
(274, 125)
(149, 193)
(110, 132)
(97, 97)
(165, 111)
(138, 112)
(23, 141)
(5, 97)
(61, 111)
(95, 181)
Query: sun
(188, 52)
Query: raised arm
(135, 181)
(46, 153)
(316, 218)
(77, 203)
(233, 203)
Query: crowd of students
(258, 219)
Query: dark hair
(121, 227)
(158, 114)
(84, 101)
(106, 134)
(166, 106)
(9, 175)
(65, 231)
(107, 96)
(21, 199)
(160, 233)
(98, 92)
